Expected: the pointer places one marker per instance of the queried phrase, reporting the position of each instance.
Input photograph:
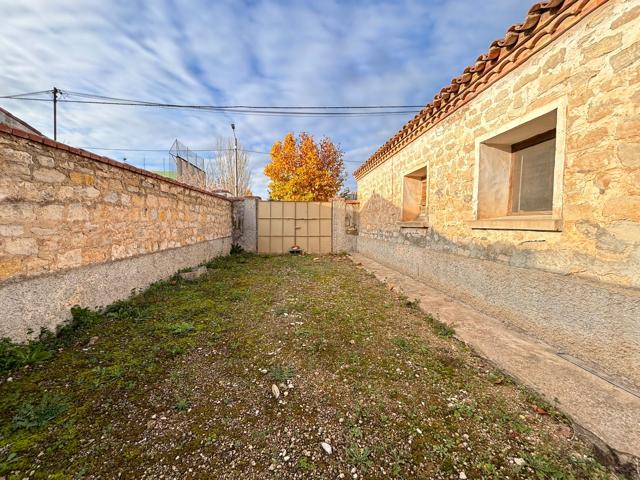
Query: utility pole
(55, 112)
(235, 148)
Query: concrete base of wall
(594, 322)
(45, 301)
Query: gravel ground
(273, 367)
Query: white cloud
(230, 52)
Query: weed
(305, 464)
(15, 355)
(122, 310)
(31, 415)
(356, 432)
(359, 456)
(181, 328)
(440, 328)
(401, 343)
(236, 249)
(413, 304)
(281, 373)
(102, 375)
(182, 405)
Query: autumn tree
(221, 171)
(304, 170)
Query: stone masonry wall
(63, 209)
(594, 68)
(190, 174)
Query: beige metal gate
(282, 225)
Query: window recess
(414, 198)
(516, 177)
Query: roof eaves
(544, 23)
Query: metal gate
(281, 225)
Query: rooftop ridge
(545, 22)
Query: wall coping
(101, 159)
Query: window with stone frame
(517, 170)
(414, 196)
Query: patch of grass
(182, 405)
(102, 375)
(16, 356)
(281, 373)
(355, 432)
(180, 328)
(368, 369)
(31, 415)
(440, 328)
(306, 465)
(401, 343)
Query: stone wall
(592, 73)
(77, 228)
(188, 173)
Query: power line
(274, 110)
(164, 150)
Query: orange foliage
(302, 170)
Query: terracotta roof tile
(544, 23)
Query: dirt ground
(181, 382)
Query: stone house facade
(517, 189)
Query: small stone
(275, 390)
(326, 447)
(92, 341)
(462, 476)
(519, 461)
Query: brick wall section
(595, 68)
(62, 207)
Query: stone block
(49, 175)
(77, 213)
(21, 246)
(626, 57)
(11, 155)
(46, 161)
(82, 178)
(69, 259)
(11, 230)
(9, 266)
(51, 213)
(629, 155)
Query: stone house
(517, 189)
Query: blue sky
(238, 52)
